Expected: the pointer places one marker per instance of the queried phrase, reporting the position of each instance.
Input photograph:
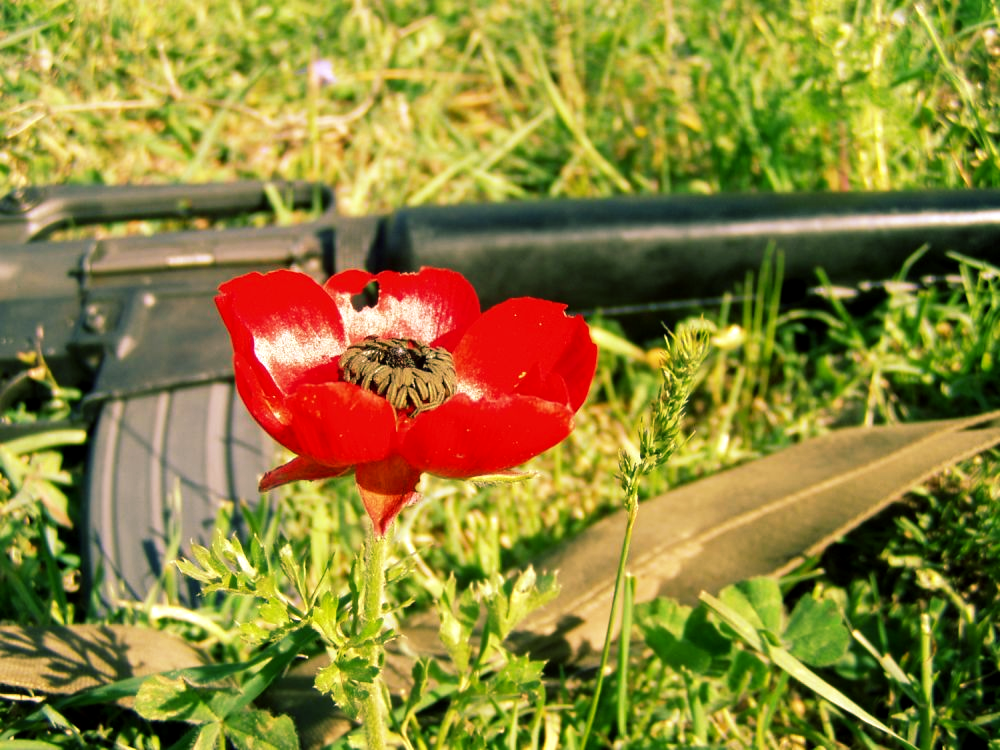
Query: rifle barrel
(138, 310)
(621, 251)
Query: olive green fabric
(66, 660)
(760, 518)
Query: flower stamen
(411, 376)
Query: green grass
(440, 102)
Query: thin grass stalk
(699, 722)
(623, 655)
(46, 550)
(768, 708)
(633, 512)
(926, 684)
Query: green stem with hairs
(374, 710)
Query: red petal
(264, 400)
(386, 488)
(340, 424)
(299, 469)
(521, 338)
(434, 306)
(287, 323)
(464, 438)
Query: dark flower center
(411, 376)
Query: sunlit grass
(442, 103)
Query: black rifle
(130, 320)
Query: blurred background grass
(441, 101)
(445, 101)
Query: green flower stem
(374, 711)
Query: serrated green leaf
(254, 633)
(202, 555)
(329, 679)
(207, 559)
(48, 466)
(370, 631)
(454, 638)
(523, 594)
(356, 580)
(400, 570)
(816, 633)
(191, 570)
(258, 555)
(520, 676)
(332, 681)
(286, 558)
(358, 670)
(163, 699)
(421, 679)
(458, 616)
(266, 586)
(259, 730)
(467, 609)
(501, 477)
(274, 612)
(293, 569)
(234, 551)
(328, 618)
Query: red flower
(419, 382)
